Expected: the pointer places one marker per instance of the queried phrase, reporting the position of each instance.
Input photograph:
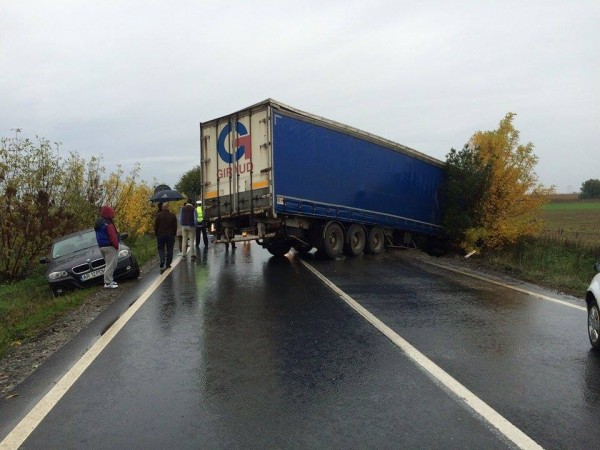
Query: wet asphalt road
(241, 350)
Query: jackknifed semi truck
(290, 179)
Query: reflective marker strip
(260, 184)
(498, 283)
(520, 439)
(30, 422)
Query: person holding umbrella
(165, 228)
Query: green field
(574, 220)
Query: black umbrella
(161, 187)
(167, 195)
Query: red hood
(107, 212)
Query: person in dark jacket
(108, 241)
(165, 229)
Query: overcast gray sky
(131, 80)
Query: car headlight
(57, 275)
(124, 254)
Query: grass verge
(560, 264)
(27, 306)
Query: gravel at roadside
(22, 360)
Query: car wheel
(594, 324)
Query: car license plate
(92, 274)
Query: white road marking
(515, 435)
(524, 291)
(29, 423)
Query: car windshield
(74, 243)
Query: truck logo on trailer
(242, 144)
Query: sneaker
(112, 285)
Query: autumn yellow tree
(130, 199)
(493, 190)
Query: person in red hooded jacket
(108, 241)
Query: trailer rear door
(235, 153)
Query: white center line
(30, 422)
(515, 435)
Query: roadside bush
(44, 196)
(40, 200)
(492, 190)
(129, 197)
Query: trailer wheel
(333, 240)
(278, 247)
(375, 241)
(355, 240)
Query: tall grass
(560, 264)
(27, 306)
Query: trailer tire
(375, 241)
(278, 248)
(333, 240)
(355, 240)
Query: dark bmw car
(75, 261)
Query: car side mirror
(123, 236)
(44, 260)
(597, 266)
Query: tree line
(590, 189)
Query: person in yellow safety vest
(201, 226)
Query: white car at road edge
(592, 298)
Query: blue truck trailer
(290, 179)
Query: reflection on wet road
(527, 358)
(238, 350)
